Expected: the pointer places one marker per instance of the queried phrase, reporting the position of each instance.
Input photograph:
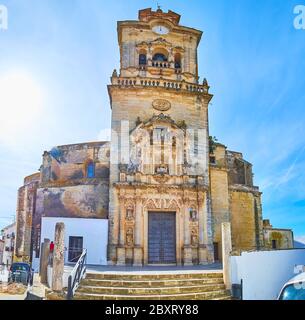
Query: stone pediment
(160, 118)
(157, 42)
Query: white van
(294, 289)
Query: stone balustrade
(159, 83)
(161, 64)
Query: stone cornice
(73, 183)
(243, 188)
(138, 185)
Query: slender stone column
(205, 246)
(121, 226)
(121, 252)
(138, 248)
(226, 252)
(58, 260)
(188, 252)
(44, 261)
(113, 233)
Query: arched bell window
(90, 170)
(160, 57)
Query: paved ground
(38, 289)
(12, 297)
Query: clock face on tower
(160, 29)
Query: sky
(56, 59)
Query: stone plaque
(161, 105)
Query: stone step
(151, 276)
(214, 295)
(150, 290)
(151, 283)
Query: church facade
(164, 185)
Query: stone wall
(220, 204)
(246, 220)
(65, 164)
(84, 201)
(25, 214)
(278, 239)
(62, 189)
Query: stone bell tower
(159, 209)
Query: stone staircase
(141, 286)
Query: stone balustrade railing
(159, 83)
(161, 64)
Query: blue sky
(251, 55)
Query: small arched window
(142, 59)
(160, 57)
(90, 170)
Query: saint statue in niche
(193, 214)
(194, 238)
(129, 214)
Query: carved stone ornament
(161, 105)
(193, 215)
(162, 179)
(194, 238)
(129, 237)
(129, 214)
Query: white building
(1, 250)
(8, 236)
(78, 238)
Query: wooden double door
(161, 237)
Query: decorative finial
(159, 7)
(205, 82)
(115, 73)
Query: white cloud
(300, 239)
(21, 107)
(105, 135)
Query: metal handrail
(77, 275)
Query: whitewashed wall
(3, 274)
(94, 232)
(264, 273)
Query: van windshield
(294, 292)
(19, 267)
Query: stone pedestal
(58, 260)
(211, 258)
(111, 254)
(138, 257)
(203, 255)
(121, 256)
(188, 256)
(226, 252)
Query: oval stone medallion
(161, 105)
